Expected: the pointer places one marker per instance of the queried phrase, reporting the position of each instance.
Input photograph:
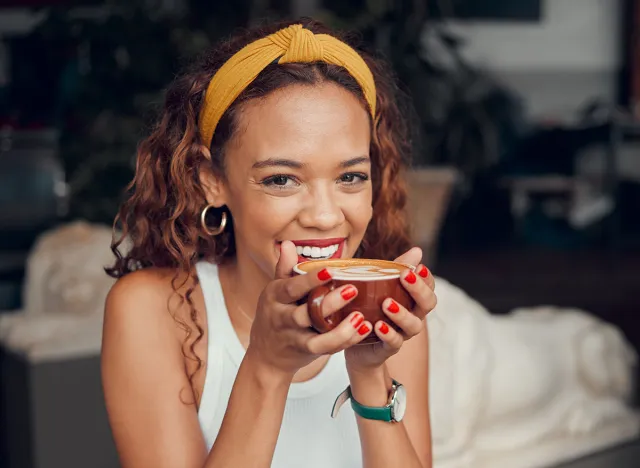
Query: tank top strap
(216, 312)
(220, 329)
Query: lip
(318, 242)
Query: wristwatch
(392, 412)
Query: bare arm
(406, 444)
(252, 422)
(147, 389)
(148, 394)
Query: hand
(281, 337)
(420, 285)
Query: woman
(280, 140)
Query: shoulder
(145, 300)
(146, 385)
(145, 323)
(142, 284)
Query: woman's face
(298, 169)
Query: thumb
(288, 259)
(411, 256)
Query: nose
(322, 210)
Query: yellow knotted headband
(293, 44)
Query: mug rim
(356, 261)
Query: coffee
(375, 280)
(358, 269)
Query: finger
(391, 339)
(352, 330)
(423, 295)
(292, 289)
(409, 323)
(288, 259)
(332, 303)
(423, 272)
(411, 257)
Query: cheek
(358, 211)
(258, 217)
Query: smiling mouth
(319, 249)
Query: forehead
(302, 121)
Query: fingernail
(348, 293)
(410, 278)
(364, 329)
(384, 328)
(424, 272)
(324, 275)
(393, 307)
(357, 320)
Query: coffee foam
(355, 269)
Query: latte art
(355, 269)
(365, 270)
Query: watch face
(399, 404)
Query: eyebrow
(271, 162)
(355, 161)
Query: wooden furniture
(430, 191)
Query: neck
(242, 282)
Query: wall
(558, 63)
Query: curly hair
(161, 216)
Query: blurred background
(525, 187)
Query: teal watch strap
(379, 413)
(393, 411)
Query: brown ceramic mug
(375, 280)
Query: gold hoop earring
(207, 229)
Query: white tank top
(309, 437)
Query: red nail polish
(357, 320)
(384, 328)
(410, 278)
(348, 293)
(424, 272)
(324, 275)
(393, 307)
(364, 329)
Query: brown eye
(352, 178)
(280, 180)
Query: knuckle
(269, 293)
(396, 338)
(428, 298)
(279, 320)
(346, 334)
(328, 307)
(398, 342)
(289, 288)
(356, 338)
(312, 347)
(433, 301)
(416, 327)
(301, 317)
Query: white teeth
(317, 252)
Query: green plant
(109, 66)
